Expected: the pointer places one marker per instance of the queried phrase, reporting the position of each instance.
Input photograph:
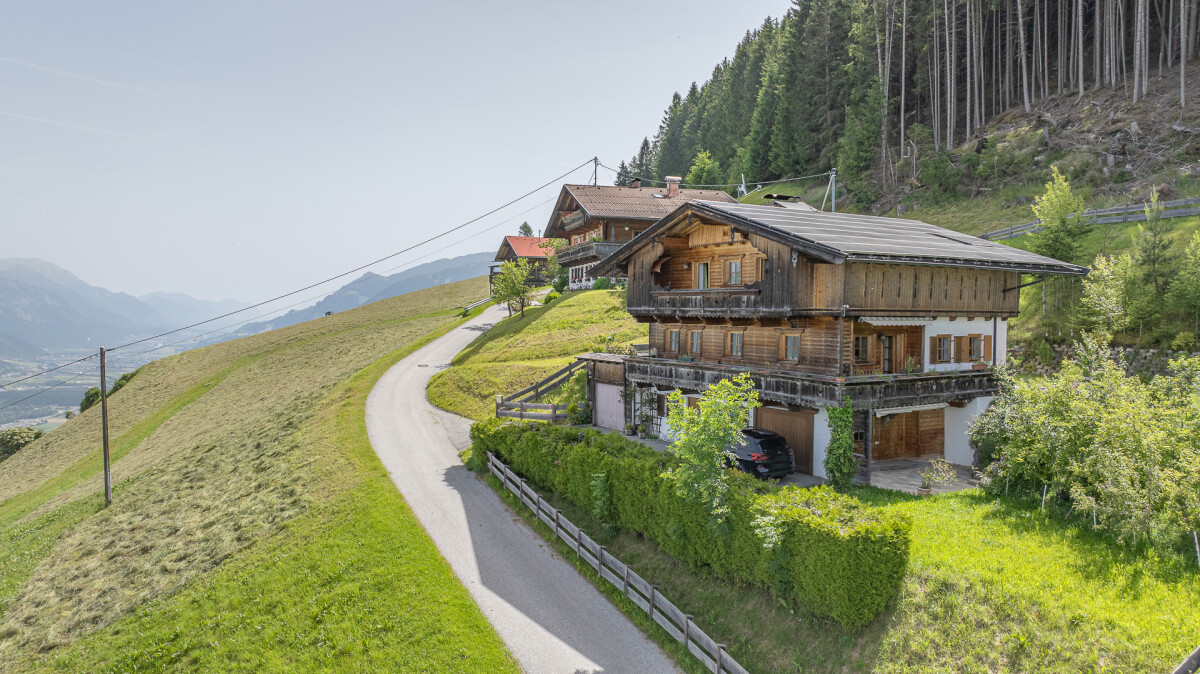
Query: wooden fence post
(687, 629)
(556, 536)
(653, 591)
(553, 416)
(499, 399)
(720, 657)
(625, 582)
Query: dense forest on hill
(884, 89)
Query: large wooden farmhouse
(904, 318)
(596, 220)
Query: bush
(550, 297)
(1184, 341)
(822, 549)
(13, 439)
(602, 283)
(90, 397)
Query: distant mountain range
(45, 307)
(371, 287)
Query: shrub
(13, 439)
(90, 397)
(822, 549)
(602, 283)
(840, 464)
(1184, 341)
(550, 297)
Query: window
(702, 276)
(941, 349)
(735, 344)
(697, 338)
(974, 347)
(735, 273)
(862, 347)
(673, 340)
(791, 347)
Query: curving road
(551, 618)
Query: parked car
(765, 454)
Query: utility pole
(833, 187)
(595, 170)
(104, 430)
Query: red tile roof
(526, 246)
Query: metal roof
(883, 239)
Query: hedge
(827, 551)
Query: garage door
(610, 409)
(795, 427)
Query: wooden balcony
(813, 390)
(589, 251)
(741, 302)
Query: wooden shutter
(960, 350)
(987, 348)
(933, 356)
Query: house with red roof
(531, 248)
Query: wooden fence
(676, 623)
(518, 406)
(1179, 208)
(1191, 664)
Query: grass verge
(253, 527)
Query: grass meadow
(521, 351)
(252, 527)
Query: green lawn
(520, 351)
(252, 527)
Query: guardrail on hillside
(518, 406)
(1179, 208)
(467, 309)
(676, 623)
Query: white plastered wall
(821, 437)
(958, 424)
(960, 328)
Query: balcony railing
(588, 250)
(814, 390)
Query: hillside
(252, 526)
(371, 287)
(521, 351)
(993, 583)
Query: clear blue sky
(242, 149)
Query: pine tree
(525, 229)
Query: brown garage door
(796, 427)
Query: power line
(57, 367)
(756, 182)
(314, 297)
(48, 388)
(359, 268)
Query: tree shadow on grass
(1099, 553)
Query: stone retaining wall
(1138, 360)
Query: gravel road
(551, 618)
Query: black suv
(765, 454)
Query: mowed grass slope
(252, 526)
(521, 351)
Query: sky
(245, 149)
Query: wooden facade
(698, 255)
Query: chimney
(636, 182)
(673, 186)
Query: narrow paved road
(551, 618)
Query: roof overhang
(679, 217)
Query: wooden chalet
(596, 220)
(529, 248)
(904, 318)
